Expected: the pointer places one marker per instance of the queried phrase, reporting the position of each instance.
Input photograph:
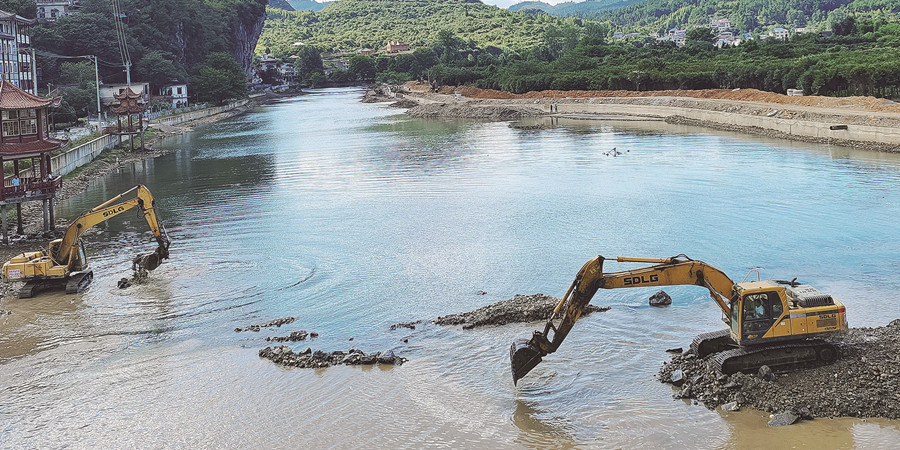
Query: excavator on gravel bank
(770, 322)
(65, 262)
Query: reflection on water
(352, 217)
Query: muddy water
(352, 217)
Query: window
(10, 128)
(179, 91)
(28, 126)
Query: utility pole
(97, 81)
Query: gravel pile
(521, 308)
(472, 111)
(861, 383)
(285, 356)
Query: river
(352, 217)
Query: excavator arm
(63, 251)
(525, 354)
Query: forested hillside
(587, 8)
(746, 15)
(354, 24)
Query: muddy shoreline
(860, 122)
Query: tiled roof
(26, 148)
(12, 97)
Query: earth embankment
(863, 122)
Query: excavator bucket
(524, 355)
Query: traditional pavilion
(130, 104)
(25, 142)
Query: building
(720, 24)
(366, 51)
(50, 10)
(267, 62)
(287, 71)
(176, 94)
(25, 139)
(16, 65)
(108, 92)
(780, 33)
(394, 47)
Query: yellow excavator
(65, 262)
(770, 322)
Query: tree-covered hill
(354, 24)
(586, 8)
(746, 15)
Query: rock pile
(271, 323)
(285, 356)
(521, 308)
(293, 337)
(411, 325)
(861, 383)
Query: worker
(15, 183)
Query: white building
(50, 10)
(176, 93)
(780, 33)
(16, 65)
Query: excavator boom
(63, 252)
(526, 354)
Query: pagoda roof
(21, 149)
(11, 97)
(126, 93)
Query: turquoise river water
(353, 217)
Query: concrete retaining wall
(67, 162)
(799, 128)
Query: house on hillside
(16, 64)
(176, 94)
(780, 33)
(366, 51)
(395, 47)
(50, 10)
(720, 25)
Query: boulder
(765, 373)
(731, 406)
(660, 298)
(675, 350)
(387, 357)
(782, 419)
(677, 378)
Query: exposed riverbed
(351, 217)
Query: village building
(720, 24)
(366, 51)
(176, 94)
(16, 62)
(25, 142)
(780, 33)
(394, 47)
(50, 10)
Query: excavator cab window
(760, 310)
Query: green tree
(159, 69)
(80, 74)
(24, 8)
(309, 61)
(220, 78)
(362, 67)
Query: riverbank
(861, 122)
(79, 179)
